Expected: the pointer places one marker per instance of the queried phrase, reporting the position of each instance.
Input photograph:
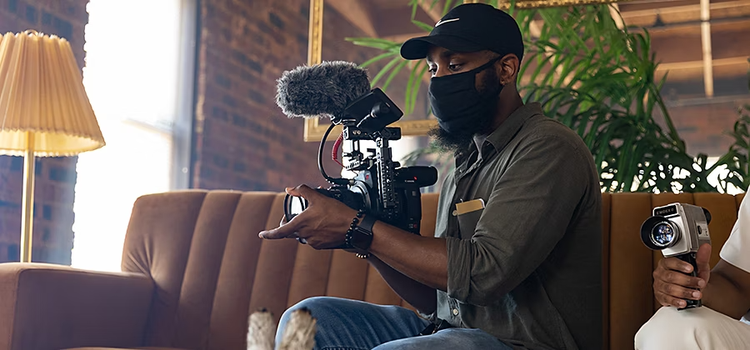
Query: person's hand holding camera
(673, 283)
(322, 225)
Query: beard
(459, 139)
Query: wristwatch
(360, 236)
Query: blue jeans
(344, 324)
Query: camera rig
(381, 187)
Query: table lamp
(44, 110)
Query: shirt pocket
(467, 223)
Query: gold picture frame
(314, 131)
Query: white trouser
(699, 328)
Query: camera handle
(691, 259)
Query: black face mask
(455, 100)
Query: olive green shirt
(527, 267)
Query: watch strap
(367, 223)
(359, 235)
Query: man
(515, 261)
(724, 293)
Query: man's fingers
(673, 284)
(677, 291)
(676, 264)
(666, 300)
(676, 278)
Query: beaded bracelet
(353, 225)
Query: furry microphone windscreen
(321, 90)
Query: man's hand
(323, 224)
(672, 282)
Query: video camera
(381, 187)
(678, 230)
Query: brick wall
(703, 122)
(703, 126)
(242, 139)
(55, 177)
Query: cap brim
(416, 48)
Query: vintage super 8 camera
(678, 230)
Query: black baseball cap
(470, 28)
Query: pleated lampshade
(42, 94)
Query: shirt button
(455, 312)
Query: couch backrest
(211, 270)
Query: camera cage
(367, 119)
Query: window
(139, 78)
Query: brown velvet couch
(193, 269)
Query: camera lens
(658, 233)
(663, 234)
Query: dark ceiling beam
(395, 22)
(400, 38)
(433, 10)
(357, 13)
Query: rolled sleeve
(530, 205)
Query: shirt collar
(499, 138)
(505, 132)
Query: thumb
(280, 232)
(702, 259)
(704, 254)
(299, 191)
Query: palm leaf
(423, 26)
(385, 70)
(393, 74)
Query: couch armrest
(45, 306)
